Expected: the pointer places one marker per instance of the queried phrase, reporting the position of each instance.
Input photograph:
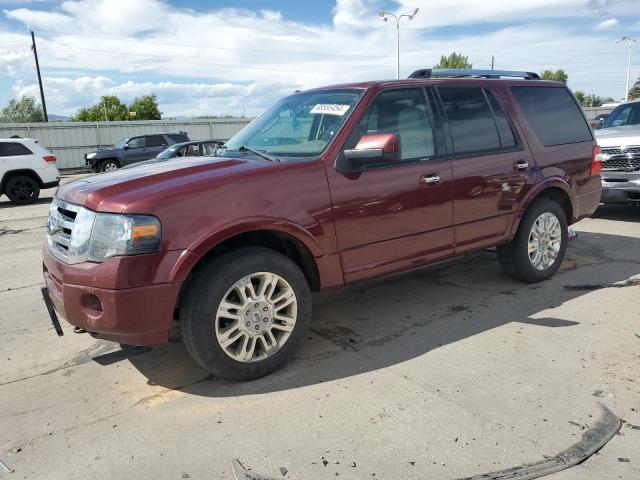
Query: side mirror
(375, 148)
(125, 146)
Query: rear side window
(178, 137)
(155, 141)
(553, 114)
(471, 121)
(9, 149)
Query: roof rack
(429, 73)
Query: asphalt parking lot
(442, 373)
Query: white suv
(25, 168)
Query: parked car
(328, 187)
(196, 148)
(598, 120)
(25, 168)
(131, 150)
(621, 163)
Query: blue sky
(225, 57)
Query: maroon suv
(328, 187)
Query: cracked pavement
(444, 372)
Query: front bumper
(620, 187)
(136, 315)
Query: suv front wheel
(109, 165)
(244, 313)
(538, 249)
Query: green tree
(590, 100)
(109, 108)
(24, 110)
(453, 61)
(145, 108)
(580, 96)
(634, 92)
(555, 75)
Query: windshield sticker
(330, 109)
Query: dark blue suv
(132, 150)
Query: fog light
(91, 304)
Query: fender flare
(199, 248)
(553, 182)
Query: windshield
(169, 152)
(626, 114)
(301, 125)
(120, 143)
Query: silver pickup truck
(619, 139)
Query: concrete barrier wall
(69, 141)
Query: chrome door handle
(430, 179)
(521, 165)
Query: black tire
(514, 256)
(207, 289)
(22, 190)
(109, 165)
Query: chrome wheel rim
(110, 167)
(545, 239)
(256, 317)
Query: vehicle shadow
(377, 324)
(40, 201)
(622, 213)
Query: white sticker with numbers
(330, 109)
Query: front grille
(625, 159)
(62, 217)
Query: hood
(113, 191)
(618, 136)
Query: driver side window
(405, 113)
(136, 142)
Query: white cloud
(232, 56)
(607, 24)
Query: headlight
(76, 234)
(115, 234)
(91, 155)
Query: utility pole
(493, 61)
(35, 54)
(630, 41)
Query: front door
(394, 216)
(491, 166)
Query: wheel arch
(18, 172)
(558, 191)
(277, 239)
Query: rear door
(491, 166)
(15, 155)
(154, 144)
(387, 216)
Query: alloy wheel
(545, 240)
(256, 317)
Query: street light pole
(631, 41)
(385, 17)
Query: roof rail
(429, 73)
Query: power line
(233, 49)
(189, 61)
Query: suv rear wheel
(109, 165)
(244, 313)
(537, 251)
(22, 190)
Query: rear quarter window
(554, 115)
(11, 149)
(178, 137)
